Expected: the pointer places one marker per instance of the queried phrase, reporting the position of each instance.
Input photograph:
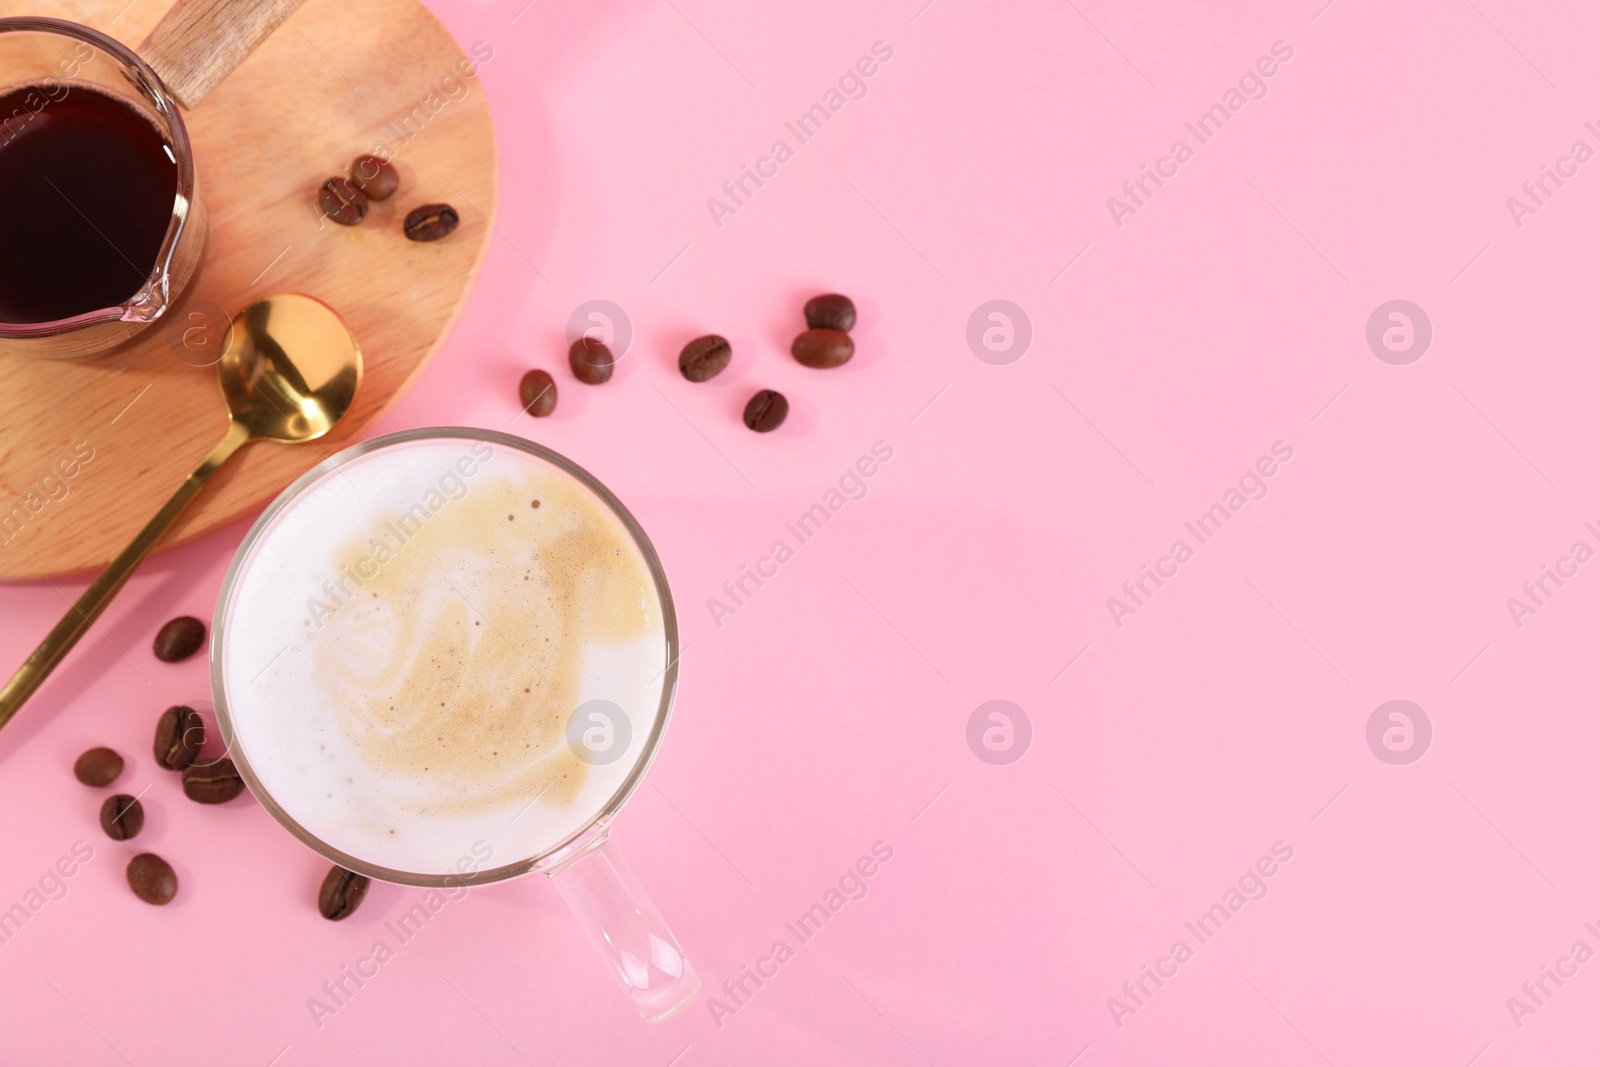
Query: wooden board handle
(199, 42)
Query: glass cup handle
(639, 949)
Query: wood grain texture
(346, 80)
(200, 42)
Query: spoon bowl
(289, 369)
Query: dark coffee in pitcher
(87, 185)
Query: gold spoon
(289, 372)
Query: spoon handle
(95, 598)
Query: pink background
(1228, 714)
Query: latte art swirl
(464, 702)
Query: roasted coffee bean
(342, 201)
(431, 222)
(375, 177)
(538, 391)
(152, 878)
(122, 817)
(179, 735)
(592, 362)
(212, 783)
(342, 893)
(823, 348)
(97, 767)
(180, 639)
(766, 411)
(830, 312)
(704, 358)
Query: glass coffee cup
(50, 64)
(447, 657)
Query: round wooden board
(340, 79)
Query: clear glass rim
(150, 300)
(669, 682)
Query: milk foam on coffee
(407, 644)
